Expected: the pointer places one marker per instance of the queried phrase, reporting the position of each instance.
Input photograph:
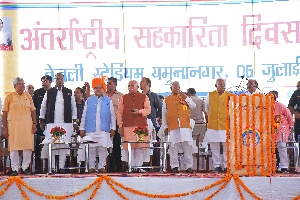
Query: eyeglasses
(131, 85)
(298, 86)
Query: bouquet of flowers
(141, 130)
(57, 131)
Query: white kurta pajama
(58, 121)
(139, 155)
(101, 137)
(214, 138)
(180, 137)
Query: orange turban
(99, 80)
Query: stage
(150, 185)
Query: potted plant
(57, 132)
(141, 132)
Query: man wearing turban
(98, 122)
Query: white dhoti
(181, 137)
(62, 153)
(138, 157)
(100, 148)
(282, 151)
(214, 138)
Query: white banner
(193, 43)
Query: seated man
(99, 122)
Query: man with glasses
(132, 112)
(294, 107)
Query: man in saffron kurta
(99, 122)
(19, 125)
(58, 109)
(132, 112)
(176, 118)
(215, 108)
(282, 131)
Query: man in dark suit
(38, 96)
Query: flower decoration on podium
(141, 132)
(57, 132)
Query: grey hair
(136, 82)
(16, 80)
(174, 82)
(220, 78)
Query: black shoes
(284, 170)
(27, 172)
(175, 170)
(217, 170)
(62, 171)
(189, 170)
(14, 173)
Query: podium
(250, 139)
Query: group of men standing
(108, 113)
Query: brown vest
(133, 101)
(217, 110)
(175, 111)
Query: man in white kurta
(215, 108)
(252, 87)
(102, 137)
(176, 120)
(59, 120)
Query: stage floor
(157, 185)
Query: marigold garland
(254, 162)
(21, 190)
(246, 188)
(253, 136)
(297, 197)
(273, 137)
(216, 192)
(99, 180)
(108, 181)
(227, 178)
(10, 182)
(235, 142)
(240, 139)
(235, 177)
(248, 134)
(261, 128)
(228, 133)
(269, 132)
